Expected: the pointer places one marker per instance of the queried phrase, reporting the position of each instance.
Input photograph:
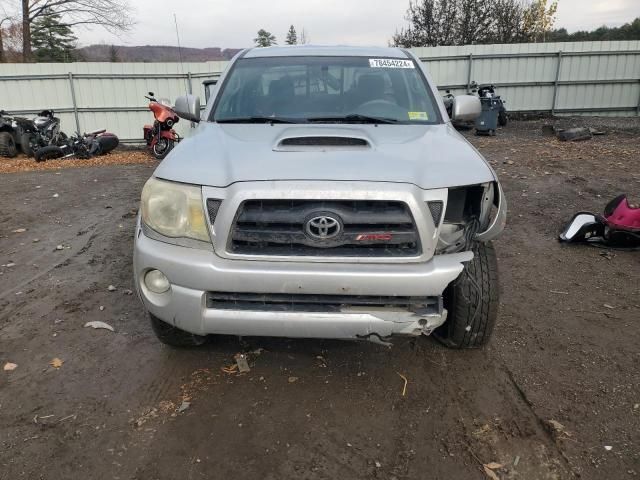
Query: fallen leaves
(10, 367)
(98, 324)
(242, 363)
(25, 164)
(19, 230)
(558, 430)
(56, 362)
(231, 369)
(489, 470)
(406, 382)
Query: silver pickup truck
(323, 194)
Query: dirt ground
(555, 395)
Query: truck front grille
(331, 228)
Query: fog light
(156, 281)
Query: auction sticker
(418, 116)
(390, 63)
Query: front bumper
(194, 272)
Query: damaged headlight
(174, 210)
(468, 212)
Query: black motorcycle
(80, 146)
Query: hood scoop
(321, 143)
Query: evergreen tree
(52, 41)
(265, 39)
(292, 36)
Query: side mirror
(582, 226)
(466, 108)
(188, 107)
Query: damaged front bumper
(195, 273)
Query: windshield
(325, 90)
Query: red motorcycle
(161, 137)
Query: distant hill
(152, 53)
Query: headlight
(174, 210)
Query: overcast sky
(233, 23)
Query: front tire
(503, 119)
(50, 152)
(162, 148)
(173, 336)
(472, 302)
(7, 145)
(26, 140)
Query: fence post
(555, 84)
(469, 69)
(638, 107)
(75, 104)
(189, 84)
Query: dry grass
(21, 163)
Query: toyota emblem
(323, 227)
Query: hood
(429, 156)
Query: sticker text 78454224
(390, 63)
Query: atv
(8, 135)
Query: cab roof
(327, 51)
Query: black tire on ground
(25, 144)
(7, 145)
(107, 143)
(472, 302)
(503, 119)
(161, 151)
(50, 152)
(170, 335)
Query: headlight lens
(174, 210)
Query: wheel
(472, 302)
(170, 335)
(7, 145)
(107, 143)
(502, 118)
(49, 152)
(26, 140)
(162, 148)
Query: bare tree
(113, 15)
(304, 37)
(431, 23)
(5, 19)
(474, 21)
(509, 21)
(11, 32)
(464, 22)
(539, 19)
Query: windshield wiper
(353, 118)
(256, 119)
